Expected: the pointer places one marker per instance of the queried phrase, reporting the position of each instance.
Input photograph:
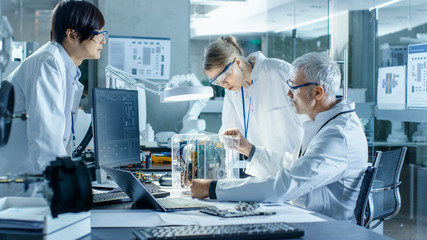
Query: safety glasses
(222, 75)
(103, 35)
(296, 89)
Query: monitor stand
(106, 185)
(102, 181)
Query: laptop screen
(143, 199)
(115, 126)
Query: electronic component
(204, 157)
(231, 214)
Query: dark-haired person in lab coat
(255, 99)
(324, 172)
(47, 88)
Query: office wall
(147, 18)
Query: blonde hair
(221, 52)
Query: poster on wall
(417, 76)
(144, 57)
(391, 88)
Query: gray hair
(321, 69)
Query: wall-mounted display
(143, 57)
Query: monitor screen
(115, 126)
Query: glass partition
(400, 92)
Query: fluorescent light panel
(310, 22)
(385, 4)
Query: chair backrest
(385, 190)
(362, 211)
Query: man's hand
(245, 146)
(200, 188)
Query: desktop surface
(119, 224)
(328, 230)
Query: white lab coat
(47, 89)
(326, 179)
(272, 121)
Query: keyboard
(110, 198)
(114, 197)
(279, 230)
(155, 190)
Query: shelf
(406, 115)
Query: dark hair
(221, 52)
(80, 16)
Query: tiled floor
(401, 227)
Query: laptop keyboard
(110, 197)
(120, 196)
(278, 230)
(155, 190)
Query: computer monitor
(115, 128)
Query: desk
(313, 231)
(322, 227)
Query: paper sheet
(147, 218)
(128, 218)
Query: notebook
(143, 199)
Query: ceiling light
(385, 4)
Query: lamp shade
(187, 93)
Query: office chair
(385, 190)
(362, 211)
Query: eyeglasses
(103, 33)
(296, 89)
(221, 76)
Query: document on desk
(149, 218)
(135, 218)
(284, 213)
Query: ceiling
(218, 17)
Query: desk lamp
(170, 92)
(180, 88)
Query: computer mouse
(165, 180)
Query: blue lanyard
(349, 111)
(246, 123)
(72, 129)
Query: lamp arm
(188, 78)
(116, 73)
(195, 109)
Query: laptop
(143, 199)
